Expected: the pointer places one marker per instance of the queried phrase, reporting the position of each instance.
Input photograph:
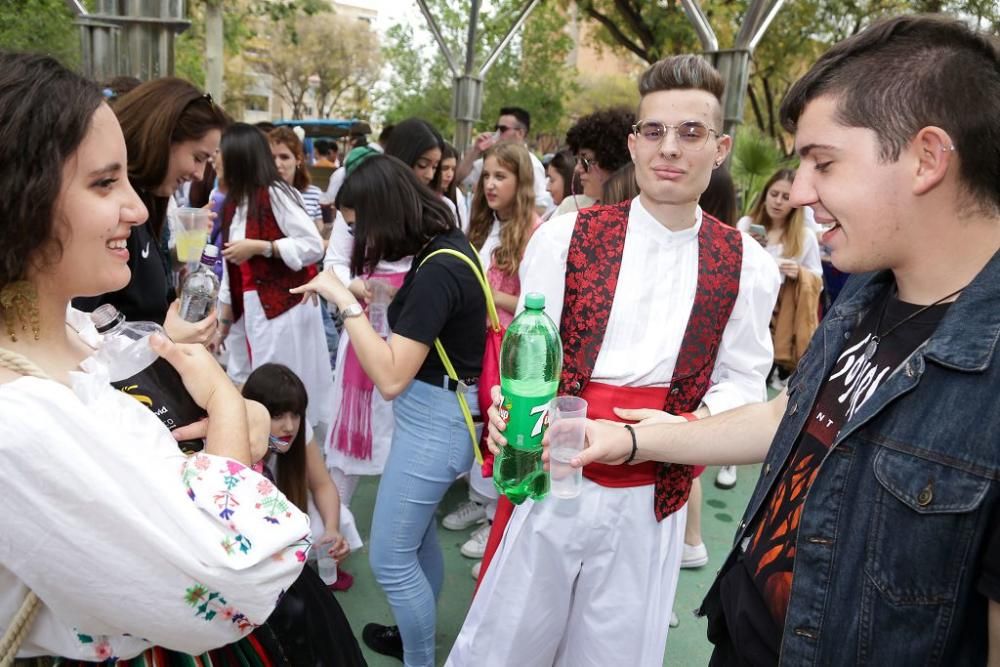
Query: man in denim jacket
(873, 536)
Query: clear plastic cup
(326, 565)
(567, 431)
(194, 225)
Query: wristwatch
(353, 310)
(269, 250)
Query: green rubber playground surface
(686, 645)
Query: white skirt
(295, 339)
(381, 425)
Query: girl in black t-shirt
(395, 216)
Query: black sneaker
(384, 639)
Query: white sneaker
(674, 621)
(467, 514)
(476, 546)
(694, 556)
(476, 569)
(726, 478)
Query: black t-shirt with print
(443, 299)
(763, 585)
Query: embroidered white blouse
(127, 542)
(656, 289)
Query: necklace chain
(872, 346)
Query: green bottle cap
(534, 301)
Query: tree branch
(616, 32)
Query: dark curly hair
(46, 111)
(606, 133)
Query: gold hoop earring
(19, 301)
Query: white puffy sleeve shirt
(126, 541)
(652, 304)
(301, 245)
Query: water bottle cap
(106, 317)
(534, 301)
(211, 252)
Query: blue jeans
(430, 448)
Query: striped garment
(310, 198)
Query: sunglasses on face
(691, 134)
(504, 128)
(585, 163)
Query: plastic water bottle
(530, 367)
(135, 369)
(201, 288)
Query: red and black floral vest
(270, 277)
(592, 266)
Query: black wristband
(635, 445)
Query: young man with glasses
(873, 536)
(513, 125)
(660, 307)
(599, 142)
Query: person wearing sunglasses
(663, 314)
(513, 125)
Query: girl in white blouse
(270, 244)
(125, 541)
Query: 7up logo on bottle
(527, 418)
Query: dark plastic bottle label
(159, 387)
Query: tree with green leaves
(531, 72)
(40, 26)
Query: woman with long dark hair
(394, 216)
(97, 494)
(172, 131)
(269, 245)
(362, 420)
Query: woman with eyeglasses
(172, 131)
(599, 143)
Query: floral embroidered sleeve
(127, 542)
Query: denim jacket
(895, 524)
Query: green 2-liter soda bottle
(530, 367)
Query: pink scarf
(352, 432)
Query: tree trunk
(214, 50)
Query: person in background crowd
(796, 251)
(596, 141)
(886, 436)
(269, 245)
(513, 124)
(96, 489)
(290, 159)
(449, 186)
(172, 132)
(562, 181)
(503, 220)
(326, 154)
(296, 464)
(395, 215)
(620, 186)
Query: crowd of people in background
(350, 318)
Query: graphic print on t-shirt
(853, 380)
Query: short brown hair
(157, 114)
(687, 72)
(906, 73)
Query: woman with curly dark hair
(600, 143)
